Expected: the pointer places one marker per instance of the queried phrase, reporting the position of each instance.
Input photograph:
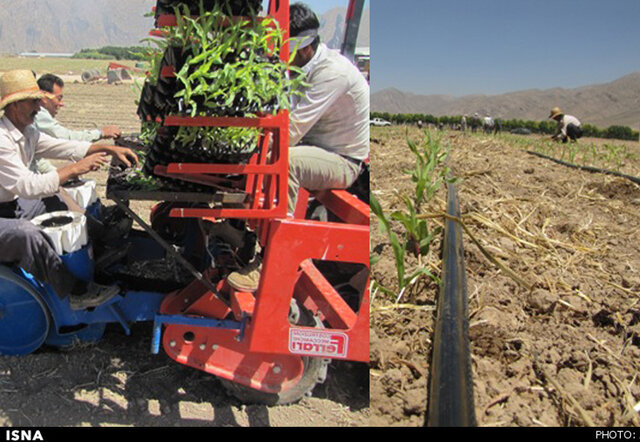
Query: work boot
(95, 295)
(247, 278)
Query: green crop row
(406, 230)
(539, 127)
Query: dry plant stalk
(513, 275)
(567, 397)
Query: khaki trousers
(314, 168)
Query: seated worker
(569, 127)
(328, 126)
(25, 194)
(45, 121)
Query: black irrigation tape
(587, 168)
(451, 401)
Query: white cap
(305, 38)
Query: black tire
(314, 372)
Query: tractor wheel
(24, 317)
(314, 372)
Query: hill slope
(603, 105)
(71, 25)
(332, 27)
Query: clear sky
(461, 47)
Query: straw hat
(555, 112)
(18, 85)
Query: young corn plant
(428, 175)
(233, 66)
(224, 66)
(399, 246)
(430, 170)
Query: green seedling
(233, 64)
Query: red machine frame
(267, 354)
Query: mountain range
(602, 105)
(66, 26)
(332, 27)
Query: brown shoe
(247, 278)
(95, 295)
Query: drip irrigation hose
(587, 168)
(451, 401)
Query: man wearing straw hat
(569, 127)
(25, 194)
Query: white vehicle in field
(379, 122)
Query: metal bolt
(172, 343)
(214, 347)
(276, 369)
(202, 346)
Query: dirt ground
(119, 382)
(564, 353)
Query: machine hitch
(159, 320)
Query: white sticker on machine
(325, 343)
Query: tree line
(113, 53)
(539, 127)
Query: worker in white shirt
(569, 127)
(328, 124)
(45, 121)
(25, 194)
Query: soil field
(60, 66)
(118, 381)
(558, 344)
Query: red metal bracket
(290, 245)
(266, 176)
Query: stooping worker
(568, 128)
(328, 125)
(45, 121)
(25, 194)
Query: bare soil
(118, 381)
(564, 353)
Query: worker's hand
(125, 155)
(111, 132)
(91, 163)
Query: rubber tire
(37, 307)
(314, 372)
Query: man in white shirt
(45, 121)
(328, 124)
(569, 127)
(25, 194)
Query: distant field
(67, 66)
(86, 105)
